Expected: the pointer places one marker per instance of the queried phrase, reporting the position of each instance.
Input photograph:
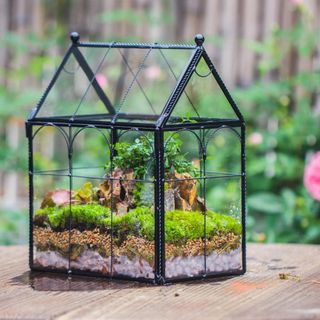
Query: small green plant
(138, 156)
(133, 156)
(85, 194)
(174, 160)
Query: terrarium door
(92, 209)
(203, 202)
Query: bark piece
(181, 204)
(198, 205)
(119, 190)
(185, 190)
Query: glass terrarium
(137, 166)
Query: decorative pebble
(188, 266)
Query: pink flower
(102, 80)
(297, 2)
(255, 138)
(153, 72)
(59, 197)
(312, 176)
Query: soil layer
(46, 239)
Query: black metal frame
(158, 128)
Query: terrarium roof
(148, 85)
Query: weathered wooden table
(260, 294)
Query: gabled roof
(156, 85)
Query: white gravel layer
(137, 267)
(194, 265)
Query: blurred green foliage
(282, 126)
(283, 129)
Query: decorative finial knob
(74, 36)
(199, 39)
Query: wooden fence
(227, 24)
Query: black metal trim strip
(180, 86)
(120, 277)
(138, 126)
(140, 117)
(31, 191)
(136, 45)
(209, 125)
(243, 196)
(70, 165)
(97, 124)
(176, 78)
(159, 208)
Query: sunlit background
(267, 52)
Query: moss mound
(181, 226)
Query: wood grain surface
(260, 294)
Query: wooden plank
(271, 20)
(247, 58)
(306, 63)
(4, 26)
(211, 27)
(287, 19)
(194, 14)
(11, 178)
(229, 54)
(260, 294)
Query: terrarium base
(137, 267)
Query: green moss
(180, 226)
(88, 216)
(138, 222)
(222, 223)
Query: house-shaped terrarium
(137, 165)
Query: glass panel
(91, 152)
(114, 68)
(51, 222)
(184, 228)
(91, 209)
(155, 79)
(223, 152)
(202, 99)
(46, 140)
(90, 238)
(65, 95)
(138, 82)
(51, 199)
(184, 206)
(133, 231)
(223, 200)
(223, 225)
(133, 206)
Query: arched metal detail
(184, 129)
(122, 133)
(49, 124)
(210, 134)
(90, 127)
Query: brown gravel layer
(46, 239)
(224, 242)
(135, 246)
